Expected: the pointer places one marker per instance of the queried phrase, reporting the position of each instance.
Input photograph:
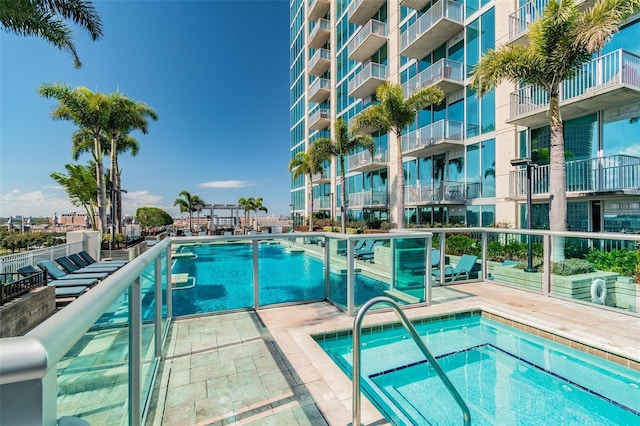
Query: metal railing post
(546, 253)
(135, 353)
(256, 278)
(351, 309)
(169, 292)
(485, 263)
(327, 267)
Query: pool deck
(264, 368)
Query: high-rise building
(457, 155)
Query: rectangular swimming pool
(505, 375)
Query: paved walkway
(264, 368)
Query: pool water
(224, 279)
(506, 377)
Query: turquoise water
(224, 279)
(506, 376)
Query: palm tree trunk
(557, 176)
(102, 190)
(118, 199)
(400, 177)
(310, 203)
(343, 198)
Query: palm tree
(80, 185)
(44, 18)
(341, 147)
(126, 116)
(304, 164)
(393, 114)
(186, 204)
(90, 112)
(246, 204)
(561, 41)
(197, 205)
(258, 207)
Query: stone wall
(22, 314)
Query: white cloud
(227, 184)
(132, 200)
(633, 150)
(35, 203)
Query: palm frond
(424, 97)
(372, 118)
(595, 27)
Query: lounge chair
(58, 274)
(366, 252)
(72, 268)
(342, 246)
(417, 266)
(91, 261)
(462, 270)
(64, 281)
(75, 258)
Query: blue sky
(217, 74)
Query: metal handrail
(357, 328)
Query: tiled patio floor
(264, 368)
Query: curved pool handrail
(357, 328)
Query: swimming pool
(224, 278)
(506, 376)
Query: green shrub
(572, 267)
(459, 244)
(622, 261)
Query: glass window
(425, 170)
(488, 36)
(456, 111)
(488, 168)
(473, 115)
(620, 137)
(456, 169)
(473, 171)
(488, 112)
(488, 215)
(473, 215)
(410, 172)
(627, 39)
(473, 48)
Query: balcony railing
(426, 140)
(521, 19)
(371, 199)
(437, 25)
(319, 118)
(435, 192)
(445, 73)
(318, 9)
(319, 90)
(321, 177)
(617, 173)
(11, 262)
(320, 62)
(322, 203)
(367, 80)
(360, 11)
(367, 41)
(599, 84)
(320, 34)
(364, 162)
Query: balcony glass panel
(441, 10)
(367, 198)
(320, 62)
(521, 19)
(364, 158)
(371, 37)
(435, 192)
(432, 134)
(368, 72)
(443, 69)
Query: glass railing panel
(372, 260)
(508, 260)
(165, 322)
(148, 310)
(599, 271)
(291, 271)
(409, 259)
(337, 293)
(212, 277)
(93, 376)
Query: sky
(216, 73)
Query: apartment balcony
(414, 4)
(367, 41)
(605, 82)
(319, 90)
(377, 200)
(520, 21)
(367, 80)
(323, 177)
(448, 75)
(449, 192)
(434, 27)
(322, 203)
(320, 62)
(613, 175)
(365, 162)
(360, 11)
(433, 139)
(319, 119)
(318, 9)
(320, 34)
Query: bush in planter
(572, 267)
(459, 244)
